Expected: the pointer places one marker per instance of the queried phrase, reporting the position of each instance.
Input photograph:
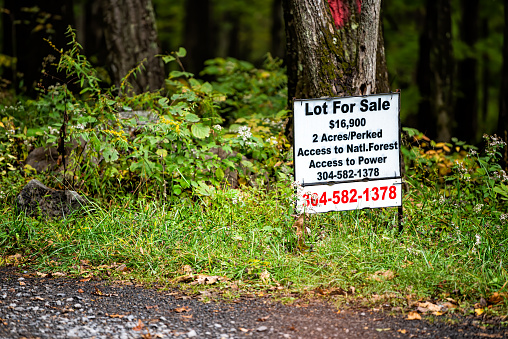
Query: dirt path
(33, 307)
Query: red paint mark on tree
(340, 12)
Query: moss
(336, 74)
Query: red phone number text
(351, 196)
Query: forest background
(462, 40)
(161, 145)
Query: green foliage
(166, 142)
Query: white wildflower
(244, 132)
(272, 140)
(478, 208)
(478, 239)
(503, 218)
(217, 127)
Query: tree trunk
(278, 49)
(131, 37)
(25, 26)
(332, 48)
(502, 122)
(198, 35)
(435, 72)
(466, 107)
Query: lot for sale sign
(347, 152)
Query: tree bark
(198, 35)
(25, 26)
(278, 49)
(332, 48)
(466, 107)
(435, 72)
(502, 122)
(131, 37)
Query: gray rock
(37, 199)
(42, 158)
(261, 328)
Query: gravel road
(34, 307)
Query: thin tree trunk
(277, 30)
(198, 35)
(131, 37)
(332, 48)
(466, 107)
(25, 26)
(435, 72)
(502, 122)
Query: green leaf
(110, 154)
(200, 131)
(177, 74)
(219, 173)
(163, 102)
(207, 88)
(177, 190)
(168, 58)
(182, 52)
(191, 117)
(162, 152)
(247, 163)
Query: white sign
(345, 139)
(353, 140)
(350, 196)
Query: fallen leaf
(154, 306)
(402, 331)
(487, 335)
(38, 298)
(413, 316)
(300, 226)
(481, 304)
(80, 291)
(58, 274)
(479, 311)
(383, 329)
(22, 283)
(243, 329)
(99, 292)
(265, 276)
(429, 306)
(85, 279)
(187, 317)
(182, 309)
(448, 305)
(202, 279)
(186, 269)
(264, 318)
(122, 268)
(42, 275)
(383, 275)
(139, 326)
(437, 313)
(116, 315)
(497, 298)
(184, 278)
(422, 309)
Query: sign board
(353, 140)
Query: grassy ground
(450, 249)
